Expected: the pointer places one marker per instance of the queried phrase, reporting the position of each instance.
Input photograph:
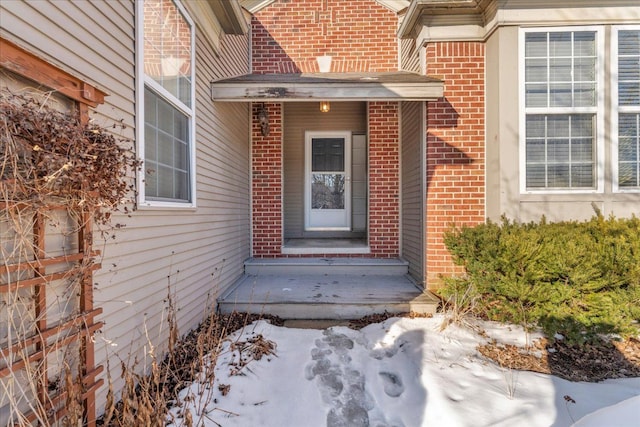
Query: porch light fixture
(263, 120)
(325, 107)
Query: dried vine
(48, 156)
(57, 177)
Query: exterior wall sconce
(263, 120)
(325, 107)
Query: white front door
(327, 180)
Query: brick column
(384, 179)
(266, 182)
(455, 149)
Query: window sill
(166, 206)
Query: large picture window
(562, 99)
(626, 109)
(165, 98)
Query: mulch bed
(589, 362)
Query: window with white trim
(626, 107)
(561, 108)
(166, 103)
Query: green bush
(579, 279)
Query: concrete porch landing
(325, 288)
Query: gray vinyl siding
(199, 252)
(298, 118)
(413, 188)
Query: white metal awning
(390, 86)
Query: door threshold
(325, 246)
(288, 250)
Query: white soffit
(254, 6)
(394, 5)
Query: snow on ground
(401, 373)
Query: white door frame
(327, 219)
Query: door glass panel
(327, 191)
(327, 155)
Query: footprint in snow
(340, 386)
(393, 386)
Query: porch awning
(390, 86)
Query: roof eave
(279, 92)
(229, 14)
(418, 8)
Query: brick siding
(288, 35)
(266, 183)
(384, 179)
(455, 149)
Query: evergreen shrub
(579, 279)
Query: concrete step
(305, 266)
(326, 296)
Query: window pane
(560, 70)
(536, 45)
(584, 43)
(629, 43)
(150, 143)
(560, 151)
(165, 182)
(628, 150)
(560, 44)
(629, 97)
(167, 48)
(569, 69)
(582, 150)
(628, 93)
(536, 177)
(558, 126)
(582, 125)
(558, 176)
(536, 151)
(151, 176)
(166, 150)
(629, 68)
(181, 185)
(536, 95)
(536, 125)
(584, 95)
(536, 70)
(560, 95)
(327, 155)
(327, 191)
(628, 175)
(582, 176)
(585, 69)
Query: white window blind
(628, 102)
(561, 104)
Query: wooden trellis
(46, 291)
(31, 352)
